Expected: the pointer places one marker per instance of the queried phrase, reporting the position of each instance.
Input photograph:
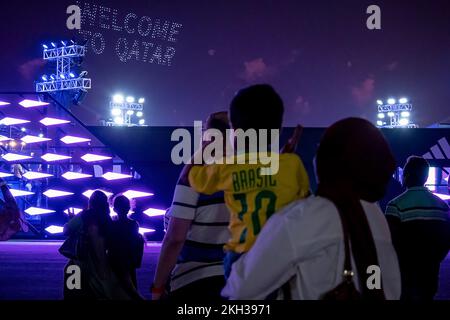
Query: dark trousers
(207, 289)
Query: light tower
(65, 79)
(126, 111)
(395, 114)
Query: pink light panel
(133, 194)
(54, 229)
(32, 175)
(69, 175)
(53, 121)
(88, 193)
(75, 210)
(33, 211)
(15, 157)
(8, 121)
(116, 176)
(73, 139)
(52, 193)
(20, 193)
(28, 103)
(49, 157)
(34, 139)
(90, 157)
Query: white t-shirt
(304, 245)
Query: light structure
(5, 175)
(90, 157)
(20, 193)
(10, 157)
(4, 138)
(50, 157)
(72, 139)
(34, 139)
(116, 176)
(28, 103)
(442, 196)
(75, 210)
(54, 229)
(53, 193)
(8, 121)
(4, 103)
(394, 114)
(69, 175)
(133, 194)
(88, 193)
(32, 175)
(153, 212)
(143, 231)
(126, 111)
(33, 211)
(48, 121)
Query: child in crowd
(250, 196)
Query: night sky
(318, 54)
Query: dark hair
(415, 171)
(98, 212)
(219, 121)
(257, 107)
(121, 205)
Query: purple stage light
(143, 231)
(31, 175)
(88, 193)
(133, 194)
(69, 175)
(4, 138)
(53, 121)
(33, 211)
(8, 121)
(4, 175)
(52, 193)
(444, 197)
(75, 210)
(153, 212)
(20, 193)
(116, 176)
(15, 157)
(3, 103)
(49, 157)
(34, 139)
(54, 229)
(27, 103)
(90, 157)
(73, 139)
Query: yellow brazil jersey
(250, 196)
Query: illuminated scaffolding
(395, 114)
(126, 111)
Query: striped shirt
(202, 254)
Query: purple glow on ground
(15, 157)
(20, 193)
(90, 157)
(73, 139)
(132, 194)
(442, 196)
(8, 121)
(31, 175)
(54, 229)
(153, 212)
(75, 210)
(145, 230)
(33, 211)
(116, 176)
(53, 121)
(52, 193)
(49, 157)
(69, 175)
(88, 193)
(27, 103)
(34, 139)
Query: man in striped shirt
(420, 226)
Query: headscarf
(353, 163)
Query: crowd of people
(231, 234)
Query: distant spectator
(420, 227)
(11, 220)
(126, 246)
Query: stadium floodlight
(153, 212)
(73, 139)
(90, 157)
(32, 175)
(15, 157)
(52, 193)
(133, 194)
(53, 44)
(139, 114)
(118, 120)
(20, 193)
(391, 114)
(391, 101)
(72, 75)
(116, 176)
(45, 46)
(8, 121)
(405, 114)
(23, 129)
(403, 122)
(381, 115)
(33, 211)
(141, 100)
(118, 98)
(116, 112)
(33, 139)
(53, 121)
(69, 175)
(142, 122)
(54, 229)
(379, 123)
(62, 76)
(52, 77)
(130, 99)
(403, 100)
(130, 112)
(28, 103)
(143, 231)
(379, 102)
(44, 77)
(64, 43)
(49, 157)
